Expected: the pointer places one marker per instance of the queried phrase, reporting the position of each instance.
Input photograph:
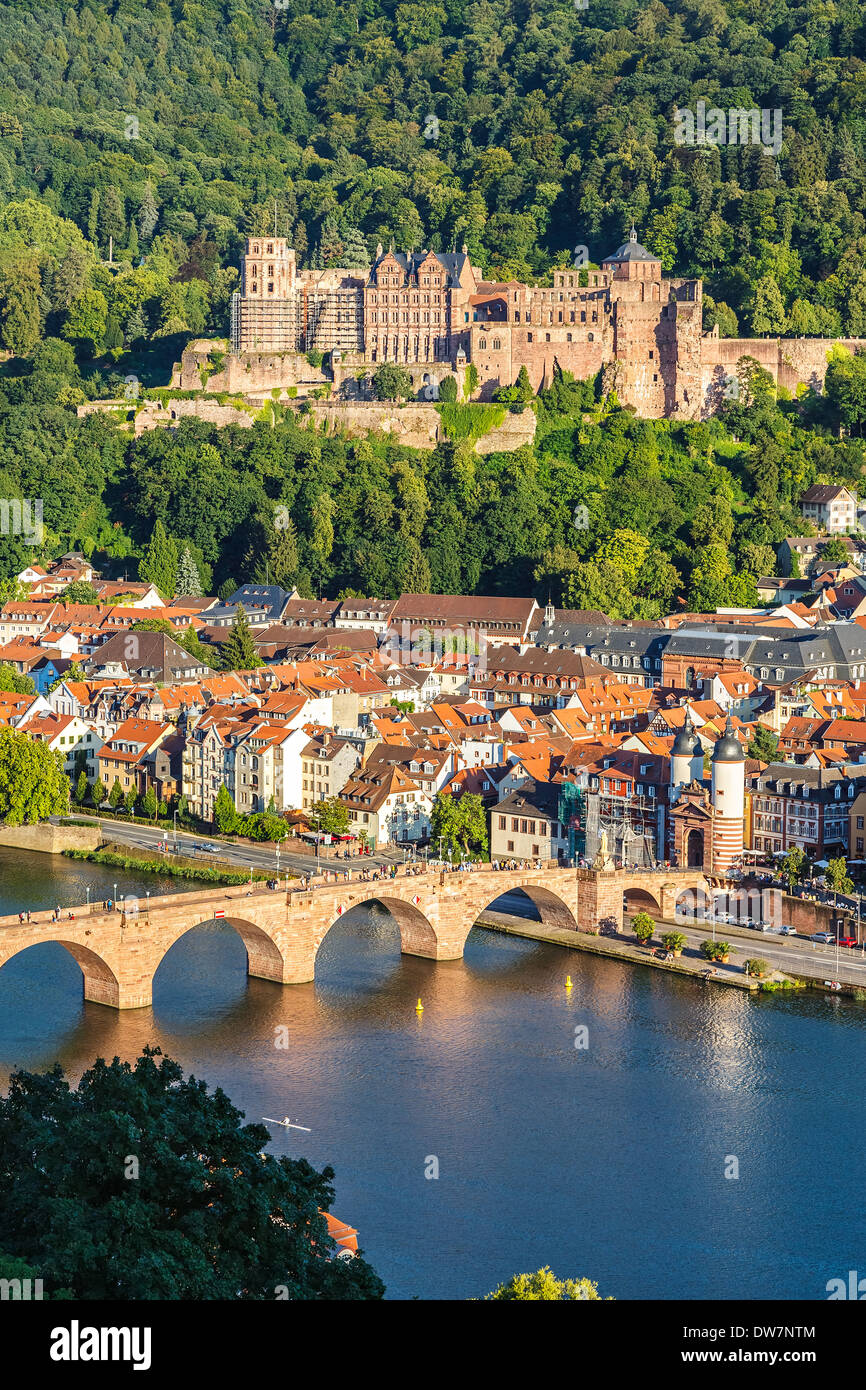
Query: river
(607, 1160)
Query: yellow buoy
(419, 1007)
(568, 982)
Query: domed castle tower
(729, 800)
(687, 756)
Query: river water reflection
(607, 1161)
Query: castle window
(496, 345)
(568, 337)
(529, 337)
(583, 316)
(591, 337)
(547, 337)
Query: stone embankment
(50, 839)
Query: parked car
(788, 930)
(847, 941)
(823, 938)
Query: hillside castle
(434, 313)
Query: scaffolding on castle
(308, 320)
(258, 325)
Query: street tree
(33, 784)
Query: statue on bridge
(603, 859)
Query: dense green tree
(392, 382)
(764, 744)
(115, 796)
(239, 652)
(543, 1286)
(225, 817)
(79, 591)
(139, 1182)
(331, 816)
(158, 564)
(15, 681)
(33, 784)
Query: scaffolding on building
(634, 827)
(309, 319)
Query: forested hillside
(603, 510)
(521, 127)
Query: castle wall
(791, 362)
(535, 347)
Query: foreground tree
(33, 784)
(460, 822)
(543, 1286)
(140, 1184)
(158, 564)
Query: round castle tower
(687, 756)
(729, 800)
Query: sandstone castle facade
(434, 313)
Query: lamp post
(175, 830)
(88, 899)
(114, 899)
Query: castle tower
(687, 756)
(268, 269)
(729, 800)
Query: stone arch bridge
(120, 951)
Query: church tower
(687, 756)
(729, 800)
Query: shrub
(756, 966)
(643, 926)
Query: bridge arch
(264, 958)
(417, 934)
(101, 985)
(552, 909)
(641, 900)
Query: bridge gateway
(119, 952)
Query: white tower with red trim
(729, 800)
